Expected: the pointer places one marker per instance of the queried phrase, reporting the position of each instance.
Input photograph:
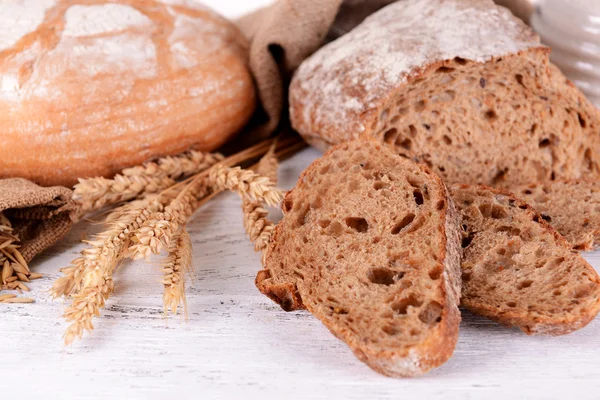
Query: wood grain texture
(238, 344)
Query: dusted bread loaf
(460, 85)
(87, 90)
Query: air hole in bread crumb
(544, 143)
(524, 284)
(491, 115)
(465, 276)
(460, 61)
(582, 291)
(405, 143)
(519, 79)
(432, 313)
(546, 217)
(391, 330)
(466, 241)
(511, 304)
(444, 70)
(420, 105)
(441, 205)
(299, 274)
(447, 140)
(287, 205)
(581, 120)
(302, 216)
(436, 272)
(556, 293)
(390, 135)
(412, 130)
(358, 224)
(418, 197)
(324, 223)
(381, 276)
(401, 306)
(403, 223)
(378, 185)
(501, 251)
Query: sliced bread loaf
(518, 270)
(370, 244)
(460, 85)
(571, 207)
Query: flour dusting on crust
(25, 17)
(353, 74)
(102, 19)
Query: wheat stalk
(151, 177)
(178, 263)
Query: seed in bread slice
(518, 270)
(571, 207)
(370, 244)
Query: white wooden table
(238, 344)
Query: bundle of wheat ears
(151, 205)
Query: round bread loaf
(88, 89)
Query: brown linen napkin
(40, 216)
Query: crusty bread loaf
(517, 269)
(369, 244)
(88, 89)
(571, 207)
(460, 85)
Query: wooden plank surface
(238, 344)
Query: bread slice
(518, 270)
(460, 85)
(370, 244)
(571, 207)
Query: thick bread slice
(370, 245)
(460, 85)
(571, 207)
(518, 270)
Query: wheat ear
(248, 184)
(157, 232)
(179, 262)
(151, 177)
(107, 247)
(256, 224)
(92, 284)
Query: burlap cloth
(281, 37)
(40, 216)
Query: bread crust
(542, 325)
(93, 96)
(440, 344)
